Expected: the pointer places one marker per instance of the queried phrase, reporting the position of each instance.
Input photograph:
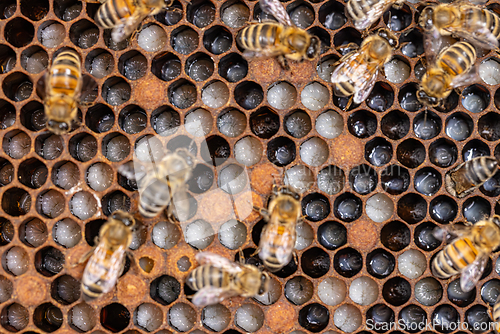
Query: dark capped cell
(362, 124)
(299, 290)
(218, 150)
(413, 317)
(165, 289)
(378, 152)
(445, 318)
(427, 125)
(347, 207)
(331, 15)
(381, 316)
(427, 181)
(408, 97)
(233, 67)
(395, 179)
(489, 126)
(315, 262)
(363, 179)
(201, 179)
(411, 153)
(443, 209)
(424, 237)
(443, 153)
(395, 125)
(459, 126)
(332, 235)
(314, 317)
(264, 123)
(248, 95)
(380, 263)
(412, 208)
(315, 207)
(348, 262)
(411, 43)
(475, 148)
(395, 236)
(491, 187)
(478, 319)
(490, 291)
(457, 296)
(396, 291)
(49, 261)
(475, 209)
(381, 97)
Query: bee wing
(276, 9)
(482, 38)
(373, 14)
(88, 86)
(343, 67)
(211, 295)
(466, 79)
(363, 91)
(129, 25)
(433, 43)
(218, 261)
(473, 272)
(262, 54)
(41, 86)
(180, 203)
(450, 232)
(133, 170)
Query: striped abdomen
(112, 12)
(496, 315)
(360, 9)
(65, 74)
(155, 197)
(475, 18)
(470, 175)
(358, 72)
(454, 258)
(260, 36)
(457, 58)
(207, 275)
(276, 245)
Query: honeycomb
(56, 191)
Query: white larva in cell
(182, 317)
(314, 151)
(474, 102)
(18, 145)
(314, 96)
(497, 266)
(233, 179)
(232, 234)
(199, 234)
(118, 94)
(152, 38)
(299, 178)
(167, 123)
(67, 233)
(52, 35)
(248, 151)
(88, 38)
(72, 12)
(249, 317)
(329, 124)
(135, 67)
(489, 71)
(396, 71)
(332, 291)
(198, 122)
(53, 146)
(17, 316)
(83, 205)
(102, 65)
(165, 235)
(215, 95)
(326, 68)
(216, 317)
(232, 123)
(117, 148)
(305, 236)
(298, 124)
(272, 295)
(148, 316)
(82, 316)
(149, 149)
(236, 16)
(16, 261)
(379, 208)
(6, 288)
(37, 62)
(139, 235)
(347, 318)
(282, 95)
(99, 176)
(51, 203)
(35, 232)
(363, 290)
(412, 263)
(66, 176)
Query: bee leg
(284, 63)
(84, 258)
(348, 105)
(345, 49)
(242, 256)
(295, 257)
(257, 251)
(263, 212)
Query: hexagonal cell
(315, 262)
(428, 291)
(216, 151)
(488, 71)
(50, 203)
(457, 296)
(83, 205)
(347, 207)
(49, 146)
(488, 126)
(443, 209)
(489, 291)
(49, 261)
(166, 66)
(397, 70)
(83, 147)
(299, 290)
(363, 179)
(314, 151)
(67, 233)
(201, 13)
(184, 40)
(32, 115)
(235, 14)
(19, 32)
(395, 125)
(165, 121)
(33, 232)
(67, 10)
(182, 94)
(6, 172)
(379, 208)
(475, 148)
(7, 59)
(199, 234)
(110, 43)
(264, 123)
(82, 317)
(411, 153)
(424, 237)
(165, 289)
(15, 261)
(133, 65)
(6, 232)
(395, 179)
(248, 151)
(232, 234)
(34, 59)
(84, 34)
(412, 43)
(427, 125)
(443, 153)
(412, 263)
(380, 316)
(152, 38)
(233, 67)
(362, 124)
(249, 317)
(233, 179)
(395, 236)
(231, 122)
(217, 40)
(315, 207)
(216, 317)
(380, 263)
(408, 97)
(427, 181)
(248, 95)
(378, 151)
(17, 86)
(475, 209)
(331, 180)
(116, 91)
(172, 15)
(32, 173)
(99, 176)
(381, 97)
(301, 14)
(16, 144)
(182, 317)
(347, 262)
(331, 15)
(7, 9)
(475, 98)
(99, 118)
(148, 317)
(132, 119)
(199, 67)
(346, 36)
(115, 317)
(115, 147)
(459, 126)
(412, 208)
(347, 318)
(281, 151)
(14, 317)
(16, 202)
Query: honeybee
(107, 260)
(468, 254)
(364, 13)
(218, 278)
(357, 71)
(447, 68)
(470, 175)
(124, 16)
(278, 237)
(282, 40)
(477, 25)
(163, 184)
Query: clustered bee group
(447, 67)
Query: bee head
(433, 89)
(444, 16)
(58, 128)
(58, 109)
(124, 217)
(265, 281)
(426, 18)
(314, 48)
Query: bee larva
(470, 175)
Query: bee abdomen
(453, 258)
(112, 12)
(154, 198)
(475, 17)
(91, 290)
(345, 88)
(258, 37)
(65, 73)
(481, 169)
(458, 58)
(206, 275)
(359, 9)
